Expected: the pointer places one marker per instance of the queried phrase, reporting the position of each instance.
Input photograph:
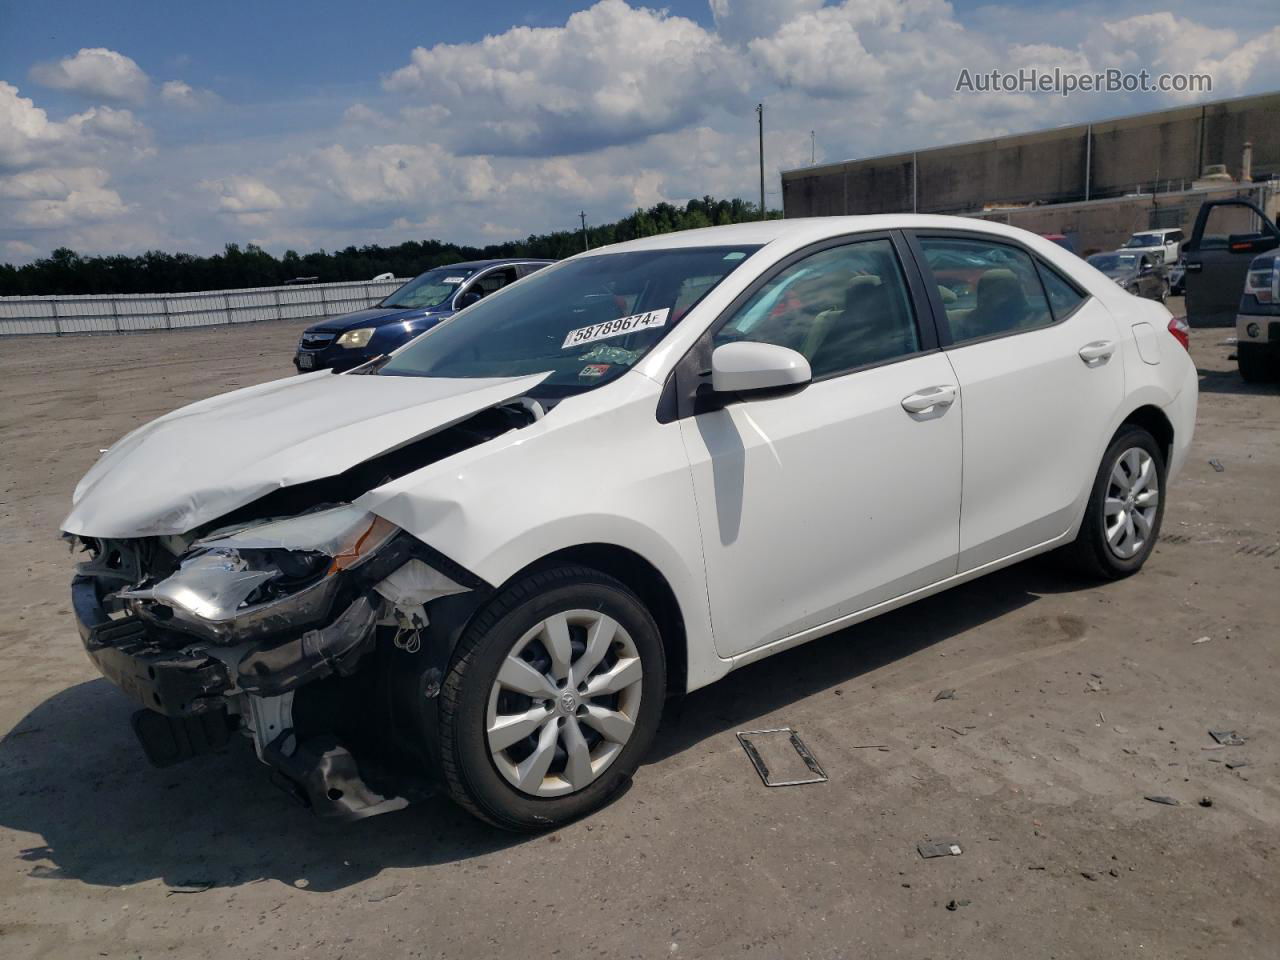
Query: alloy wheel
(564, 704)
(1133, 496)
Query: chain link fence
(124, 313)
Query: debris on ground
(1201, 640)
(1168, 801)
(1227, 738)
(1236, 764)
(1217, 465)
(781, 758)
(956, 904)
(947, 694)
(193, 886)
(938, 848)
(1206, 801)
(386, 893)
(1088, 875)
(302, 883)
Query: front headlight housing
(277, 574)
(1263, 279)
(354, 339)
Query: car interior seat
(1001, 305)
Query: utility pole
(760, 118)
(582, 214)
(813, 148)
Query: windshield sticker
(595, 370)
(453, 279)
(615, 328)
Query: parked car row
(1140, 274)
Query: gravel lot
(1072, 702)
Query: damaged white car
(483, 563)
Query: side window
(1063, 297)
(843, 308)
(987, 288)
(496, 281)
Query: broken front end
(321, 636)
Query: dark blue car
(340, 343)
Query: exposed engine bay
(299, 620)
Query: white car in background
(490, 558)
(1161, 243)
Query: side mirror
(757, 369)
(470, 297)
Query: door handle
(1098, 352)
(930, 397)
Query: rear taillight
(1181, 331)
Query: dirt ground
(1072, 702)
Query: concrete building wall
(1107, 224)
(1107, 159)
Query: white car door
(1038, 365)
(819, 503)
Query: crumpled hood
(206, 459)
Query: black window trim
(947, 341)
(679, 399)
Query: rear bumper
(1182, 415)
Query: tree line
(65, 272)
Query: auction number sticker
(615, 328)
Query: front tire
(552, 700)
(1126, 506)
(1257, 365)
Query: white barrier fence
(122, 313)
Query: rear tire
(528, 665)
(1126, 506)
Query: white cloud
(28, 138)
(243, 196)
(176, 93)
(620, 106)
(612, 74)
(61, 197)
(95, 72)
(741, 20)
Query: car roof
(482, 264)
(803, 230)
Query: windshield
(1114, 262)
(586, 321)
(1144, 240)
(430, 289)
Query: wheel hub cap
(564, 703)
(1132, 503)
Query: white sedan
(485, 561)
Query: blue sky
(137, 125)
